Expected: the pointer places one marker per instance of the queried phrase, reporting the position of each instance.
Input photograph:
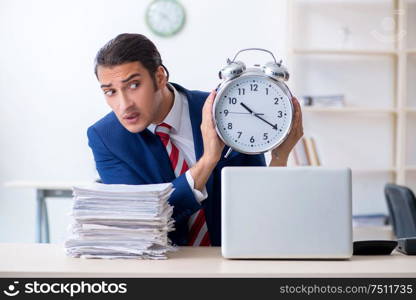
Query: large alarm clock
(253, 106)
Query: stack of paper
(121, 221)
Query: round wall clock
(165, 17)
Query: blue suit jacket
(123, 157)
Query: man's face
(130, 92)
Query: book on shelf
(305, 153)
(370, 220)
(337, 100)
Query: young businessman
(161, 132)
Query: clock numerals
(250, 113)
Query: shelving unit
(373, 170)
(349, 110)
(367, 49)
(343, 52)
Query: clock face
(253, 114)
(165, 17)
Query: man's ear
(161, 78)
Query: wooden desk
(45, 190)
(49, 260)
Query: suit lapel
(195, 113)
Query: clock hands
(250, 111)
(258, 115)
(241, 113)
(274, 126)
(246, 107)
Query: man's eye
(134, 85)
(108, 92)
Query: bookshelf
(367, 51)
(349, 110)
(343, 52)
(374, 170)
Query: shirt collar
(174, 116)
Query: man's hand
(213, 146)
(281, 153)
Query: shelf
(355, 110)
(362, 170)
(348, 110)
(373, 170)
(411, 51)
(410, 168)
(344, 52)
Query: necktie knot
(163, 127)
(163, 131)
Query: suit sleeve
(255, 160)
(113, 170)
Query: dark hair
(130, 47)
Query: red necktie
(198, 230)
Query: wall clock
(165, 17)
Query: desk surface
(49, 260)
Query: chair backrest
(401, 203)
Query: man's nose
(125, 102)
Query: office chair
(401, 203)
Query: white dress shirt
(181, 136)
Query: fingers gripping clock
(253, 107)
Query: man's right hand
(213, 146)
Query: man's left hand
(281, 153)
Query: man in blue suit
(128, 147)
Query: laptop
(286, 213)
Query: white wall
(49, 95)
